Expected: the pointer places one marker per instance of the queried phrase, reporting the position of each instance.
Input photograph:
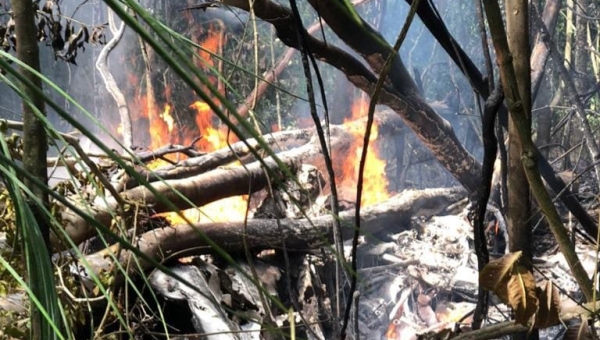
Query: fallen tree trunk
(196, 165)
(296, 235)
(203, 188)
(180, 194)
(387, 121)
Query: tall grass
(38, 276)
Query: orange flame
(212, 138)
(158, 128)
(163, 130)
(211, 45)
(167, 118)
(375, 183)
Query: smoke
(441, 82)
(439, 79)
(77, 81)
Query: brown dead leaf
(68, 30)
(514, 285)
(41, 30)
(98, 37)
(549, 306)
(496, 274)
(522, 294)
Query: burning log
(240, 150)
(296, 235)
(388, 123)
(182, 194)
(193, 186)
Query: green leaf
(40, 271)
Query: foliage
(515, 285)
(172, 49)
(57, 31)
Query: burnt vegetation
(65, 37)
(201, 170)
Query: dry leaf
(549, 306)
(522, 294)
(496, 274)
(514, 285)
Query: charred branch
(297, 235)
(160, 153)
(388, 123)
(201, 180)
(401, 96)
(237, 151)
(170, 195)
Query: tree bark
(35, 146)
(297, 235)
(519, 205)
(400, 93)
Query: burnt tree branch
(217, 181)
(182, 193)
(298, 235)
(434, 131)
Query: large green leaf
(40, 272)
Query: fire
(375, 183)
(211, 45)
(360, 107)
(167, 118)
(159, 130)
(163, 130)
(212, 138)
(227, 209)
(158, 110)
